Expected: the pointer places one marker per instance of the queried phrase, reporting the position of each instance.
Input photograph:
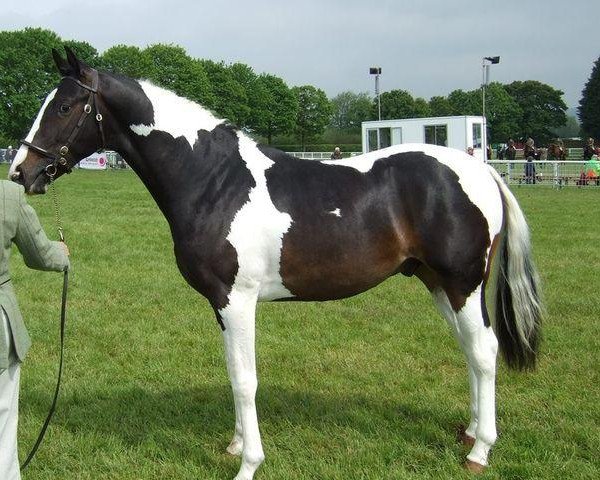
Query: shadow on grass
(183, 421)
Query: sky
(428, 47)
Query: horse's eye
(64, 108)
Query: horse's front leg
(238, 320)
(236, 445)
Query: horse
(253, 224)
(556, 151)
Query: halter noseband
(59, 159)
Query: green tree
(542, 106)
(85, 52)
(231, 100)
(421, 108)
(465, 103)
(401, 104)
(126, 60)
(350, 109)
(570, 130)
(440, 106)
(27, 74)
(589, 105)
(502, 112)
(172, 68)
(394, 104)
(273, 107)
(314, 112)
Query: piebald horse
(251, 223)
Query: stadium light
(376, 71)
(485, 67)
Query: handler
(19, 224)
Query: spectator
(592, 170)
(10, 154)
(470, 150)
(511, 151)
(500, 149)
(337, 154)
(530, 154)
(589, 150)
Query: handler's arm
(38, 251)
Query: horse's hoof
(474, 467)
(464, 438)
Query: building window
(372, 140)
(378, 138)
(385, 137)
(477, 135)
(436, 135)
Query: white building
(454, 132)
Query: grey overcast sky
(427, 47)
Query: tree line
(261, 104)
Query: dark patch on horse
(199, 190)
(408, 210)
(212, 189)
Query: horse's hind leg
(443, 304)
(480, 347)
(239, 335)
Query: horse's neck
(164, 138)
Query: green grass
(366, 388)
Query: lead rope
(63, 316)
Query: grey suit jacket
(19, 224)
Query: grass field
(367, 388)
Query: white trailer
(459, 132)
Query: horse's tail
(518, 301)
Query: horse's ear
(77, 66)
(63, 67)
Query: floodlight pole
(377, 71)
(485, 77)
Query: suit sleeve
(38, 251)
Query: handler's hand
(65, 248)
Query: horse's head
(62, 133)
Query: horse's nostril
(14, 176)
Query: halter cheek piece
(59, 160)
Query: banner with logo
(96, 161)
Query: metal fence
(553, 173)
(320, 155)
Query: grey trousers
(9, 410)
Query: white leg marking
(336, 212)
(239, 336)
(441, 300)
(481, 347)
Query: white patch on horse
(335, 212)
(257, 232)
(175, 115)
(23, 149)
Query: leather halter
(59, 160)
